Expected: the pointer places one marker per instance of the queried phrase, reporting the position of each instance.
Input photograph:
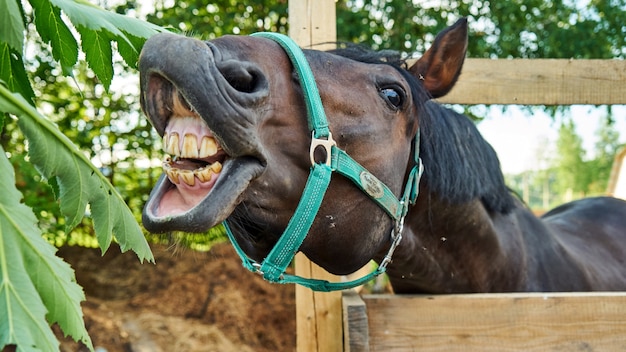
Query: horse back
(593, 232)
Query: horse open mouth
(193, 163)
(193, 193)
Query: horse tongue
(185, 196)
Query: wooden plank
(540, 82)
(498, 322)
(355, 325)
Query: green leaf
(97, 47)
(130, 52)
(53, 30)
(12, 72)
(79, 182)
(11, 25)
(33, 280)
(82, 13)
(96, 26)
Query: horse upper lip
(225, 91)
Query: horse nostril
(242, 76)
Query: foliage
(570, 172)
(606, 148)
(220, 17)
(570, 155)
(35, 283)
(519, 28)
(36, 287)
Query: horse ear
(441, 65)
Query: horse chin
(179, 207)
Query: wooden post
(312, 24)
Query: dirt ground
(188, 301)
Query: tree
(220, 17)
(606, 149)
(571, 173)
(36, 287)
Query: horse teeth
(188, 177)
(208, 147)
(172, 144)
(172, 174)
(190, 146)
(204, 174)
(216, 167)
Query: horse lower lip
(167, 210)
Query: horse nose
(193, 66)
(175, 55)
(243, 76)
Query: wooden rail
(540, 82)
(485, 322)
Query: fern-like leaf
(79, 182)
(34, 283)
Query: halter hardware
(336, 160)
(327, 144)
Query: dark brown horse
(234, 122)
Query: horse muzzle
(205, 105)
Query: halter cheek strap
(274, 265)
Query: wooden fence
(485, 322)
(328, 322)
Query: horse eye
(393, 96)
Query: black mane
(459, 164)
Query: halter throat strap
(275, 264)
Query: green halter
(274, 265)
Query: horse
(233, 118)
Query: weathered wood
(498, 322)
(312, 23)
(318, 314)
(355, 325)
(540, 82)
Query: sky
(522, 140)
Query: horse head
(234, 125)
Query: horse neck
(450, 248)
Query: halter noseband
(274, 265)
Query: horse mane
(462, 164)
(459, 165)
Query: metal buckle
(327, 144)
(257, 267)
(396, 237)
